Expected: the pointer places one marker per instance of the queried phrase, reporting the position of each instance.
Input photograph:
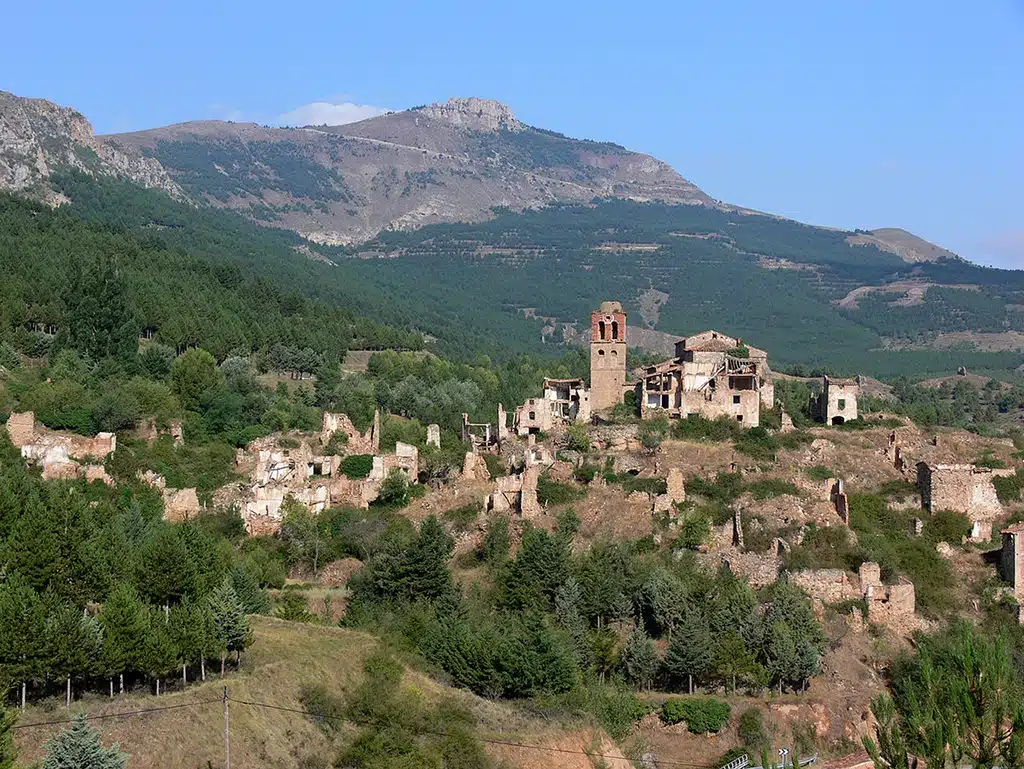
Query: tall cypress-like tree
(426, 562)
(230, 623)
(166, 569)
(161, 653)
(79, 747)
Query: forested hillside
(773, 281)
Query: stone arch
(615, 329)
(838, 420)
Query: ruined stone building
(1011, 564)
(59, 454)
(708, 377)
(298, 468)
(607, 356)
(837, 402)
(961, 488)
(565, 401)
(892, 606)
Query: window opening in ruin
(664, 401)
(739, 417)
(600, 328)
(601, 353)
(533, 415)
(615, 329)
(842, 404)
(735, 399)
(838, 420)
(615, 353)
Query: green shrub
(758, 443)
(1008, 488)
(752, 731)
(579, 438)
(495, 465)
(697, 428)
(819, 473)
(987, 459)
(897, 490)
(729, 756)
(827, 547)
(726, 487)
(703, 715)
(550, 492)
(462, 518)
(631, 483)
(585, 472)
(324, 709)
(770, 488)
(356, 466)
(337, 443)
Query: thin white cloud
(327, 113)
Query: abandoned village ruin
(711, 375)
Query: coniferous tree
(8, 751)
(79, 747)
(166, 570)
(690, 655)
(734, 660)
(22, 627)
(426, 573)
(781, 653)
(161, 653)
(247, 587)
(125, 620)
(230, 623)
(639, 659)
(567, 611)
(73, 642)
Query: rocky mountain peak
(474, 113)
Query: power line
(119, 714)
(505, 743)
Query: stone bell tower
(607, 355)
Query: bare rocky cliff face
(38, 138)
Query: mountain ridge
(453, 161)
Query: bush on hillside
(356, 466)
(703, 715)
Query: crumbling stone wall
(517, 493)
(358, 443)
(56, 452)
(827, 585)
(963, 488)
(893, 606)
(434, 436)
(21, 428)
(180, 504)
(1011, 563)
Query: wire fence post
(227, 733)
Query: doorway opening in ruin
(838, 420)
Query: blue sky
(852, 114)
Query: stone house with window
(837, 403)
(713, 375)
(564, 402)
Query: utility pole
(227, 733)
